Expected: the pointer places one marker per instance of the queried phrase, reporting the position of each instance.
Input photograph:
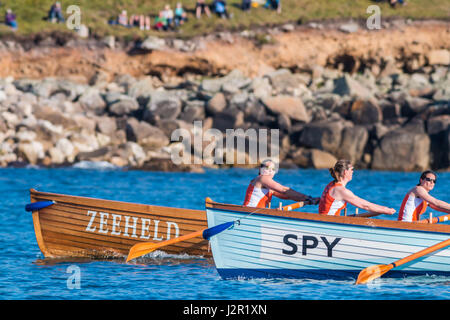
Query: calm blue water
(25, 274)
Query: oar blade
(373, 272)
(141, 249)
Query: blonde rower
(336, 196)
(260, 190)
(418, 198)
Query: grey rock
(402, 150)
(324, 135)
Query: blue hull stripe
(226, 273)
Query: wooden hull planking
(272, 243)
(87, 227)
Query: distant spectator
(180, 15)
(122, 18)
(55, 13)
(246, 4)
(10, 19)
(168, 15)
(273, 4)
(393, 3)
(220, 8)
(140, 21)
(201, 7)
(160, 22)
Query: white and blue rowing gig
(269, 243)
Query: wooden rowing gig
(268, 243)
(74, 226)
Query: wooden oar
(436, 219)
(293, 206)
(367, 214)
(141, 249)
(373, 272)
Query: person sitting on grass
(160, 22)
(220, 8)
(140, 21)
(201, 7)
(180, 15)
(168, 15)
(10, 19)
(273, 4)
(55, 13)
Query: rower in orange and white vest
(336, 196)
(418, 199)
(260, 190)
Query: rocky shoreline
(395, 121)
(382, 111)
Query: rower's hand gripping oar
(141, 249)
(373, 272)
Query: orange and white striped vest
(411, 209)
(328, 205)
(257, 197)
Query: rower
(260, 190)
(336, 196)
(418, 198)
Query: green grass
(96, 13)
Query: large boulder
(290, 106)
(346, 85)
(323, 135)
(230, 118)
(163, 105)
(123, 106)
(441, 57)
(437, 129)
(402, 150)
(216, 104)
(366, 112)
(91, 100)
(235, 79)
(31, 152)
(194, 110)
(283, 81)
(313, 158)
(354, 139)
(145, 134)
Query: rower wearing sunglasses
(260, 190)
(336, 196)
(418, 199)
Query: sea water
(26, 274)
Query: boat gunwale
(105, 203)
(342, 220)
(133, 209)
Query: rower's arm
(283, 192)
(351, 198)
(434, 203)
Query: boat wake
(96, 165)
(160, 257)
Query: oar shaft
(293, 206)
(182, 238)
(436, 219)
(421, 253)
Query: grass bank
(95, 14)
